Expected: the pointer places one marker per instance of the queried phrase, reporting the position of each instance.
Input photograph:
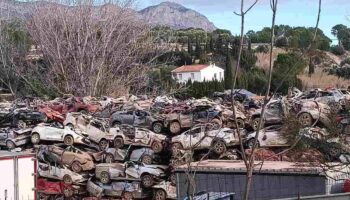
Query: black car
(19, 118)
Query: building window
(192, 76)
(180, 77)
(214, 75)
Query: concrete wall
(264, 186)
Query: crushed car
(144, 155)
(21, 118)
(270, 136)
(147, 174)
(164, 190)
(12, 138)
(61, 174)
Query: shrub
(338, 50)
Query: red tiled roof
(190, 68)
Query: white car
(148, 174)
(56, 132)
(200, 138)
(271, 136)
(164, 190)
(94, 129)
(62, 174)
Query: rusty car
(12, 138)
(144, 155)
(60, 173)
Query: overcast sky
(290, 12)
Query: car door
(140, 118)
(133, 170)
(127, 117)
(68, 155)
(52, 133)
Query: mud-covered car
(12, 138)
(200, 137)
(69, 156)
(271, 136)
(138, 118)
(60, 173)
(138, 137)
(73, 104)
(57, 188)
(123, 189)
(96, 130)
(175, 122)
(144, 155)
(164, 190)
(56, 132)
(132, 171)
(21, 118)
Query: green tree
(189, 46)
(311, 67)
(229, 71)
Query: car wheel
(334, 152)
(10, 144)
(250, 143)
(35, 138)
(159, 195)
(21, 124)
(217, 123)
(67, 179)
(103, 144)
(127, 195)
(76, 167)
(104, 177)
(146, 159)
(175, 147)
(118, 143)
(157, 127)
(240, 123)
(67, 192)
(157, 147)
(305, 119)
(68, 140)
(109, 158)
(147, 180)
(175, 127)
(255, 123)
(219, 147)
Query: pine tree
(198, 49)
(228, 71)
(211, 44)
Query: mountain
(175, 16)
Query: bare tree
(92, 50)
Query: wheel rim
(35, 138)
(10, 144)
(67, 179)
(157, 128)
(256, 124)
(103, 144)
(219, 147)
(68, 140)
(160, 195)
(174, 127)
(147, 181)
(333, 152)
(157, 147)
(147, 160)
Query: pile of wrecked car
(94, 148)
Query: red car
(52, 188)
(52, 115)
(74, 104)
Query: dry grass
(322, 79)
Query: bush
(281, 42)
(262, 49)
(338, 50)
(345, 61)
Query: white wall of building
(185, 76)
(210, 72)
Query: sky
(290, 12)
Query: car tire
(35, 138)
(67, 192)
(118, 142)
(175, 147)
(157, 127)
(10, 144)
(104, 177)
(68, 140)
(103, 144)
(334, 152)
(127, 195)
(76, 167)
(175, 128)
(109, 158)
(67, 179)
(250, 143)
(305, 120)
(217, 123)
(147, 159)
(159, 194)
(219, 147)
(255, 123)
(157, 147)
(147, 180)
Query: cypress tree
(311, 67)
(198, 49)
(228, 72)
(189, 46)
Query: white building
(198, 73)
